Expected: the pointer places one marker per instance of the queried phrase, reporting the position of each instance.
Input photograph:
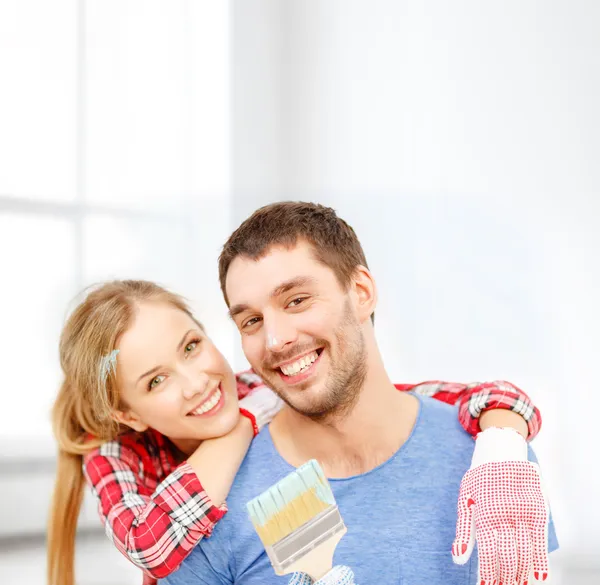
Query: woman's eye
(155, 382)
(191, 346)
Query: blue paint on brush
(307, 477)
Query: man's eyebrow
(237, 309)
(278, 290)
(290, 284)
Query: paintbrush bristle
(290, 503)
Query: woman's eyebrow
(179, 346)
(183, 339)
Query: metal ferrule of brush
(310, 535)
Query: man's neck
(378, 425)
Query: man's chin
(311, 406)
(317, 412)
(305, 398)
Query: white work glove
(502, 504)
(262, 404)
(339, 575)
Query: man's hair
(334, 242)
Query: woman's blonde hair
(82, 415)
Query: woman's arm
(224, 454)
(500, 417)
(154, 524)
(498, 403)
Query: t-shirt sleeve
(552, 538)
(209, 564)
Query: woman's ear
(366, 293)
(130, 419)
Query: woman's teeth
(209, 404)
(300, 365)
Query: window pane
(137, 103)
(139, 249)
(38, 65)
(38, 264)
(209, 83)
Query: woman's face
(173, 379)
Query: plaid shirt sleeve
(475, 398)
(247, 381)
(472, 399)
(156, 529)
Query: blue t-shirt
(401, 516)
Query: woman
(149, 414)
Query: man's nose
(278, 334)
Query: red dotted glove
(502, 505)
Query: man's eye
(296, 302)
(155, 382)
(250, 322)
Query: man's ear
(130, 419)
(365, 290)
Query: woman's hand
(503, 507)
(262, 404)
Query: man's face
(299, 328)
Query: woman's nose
(194, 383)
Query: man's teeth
(300, 365)
(210, 403)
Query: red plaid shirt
(155, 510)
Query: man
(298, 288)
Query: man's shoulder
(439, 429)
(261, 455)
(234, 546)
(261, 468)
(441, 412)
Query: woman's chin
(223, 423)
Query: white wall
(460, 140)
(257, 66)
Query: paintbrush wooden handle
(319, 561)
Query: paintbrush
(298, 522)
